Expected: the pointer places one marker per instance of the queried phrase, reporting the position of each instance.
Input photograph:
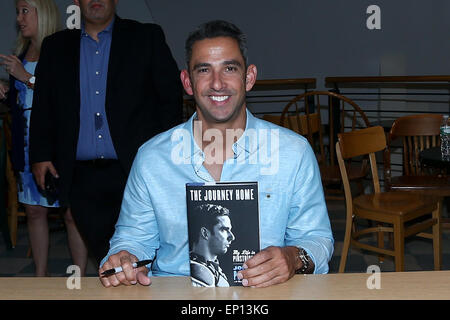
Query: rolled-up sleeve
(136, 229)
(308, 223)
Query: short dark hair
(204, 215)
(214, 29)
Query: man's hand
(129, 276)
(270, 266)
(40, 169)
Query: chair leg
(13, 217)
(346, 246)
(13, 206)
(437, 236)
(360, 187)
(380, 243)
(399, 244)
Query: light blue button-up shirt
(291, 201)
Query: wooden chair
(4, 225)
(417, 133)
(295, 123)
(304, 114)
(272, 118)
(188, 108)
(406, 213)
(14, 211)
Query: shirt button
(99, 136)
(96, 52)
(102, 157)
(98, 114)
(96, 92)
(97, 73)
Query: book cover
(223, 228)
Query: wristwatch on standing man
(30, 82)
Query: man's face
(221, 237)
(218, 79)
(97, 11)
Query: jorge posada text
(222, 194)
(228, 309)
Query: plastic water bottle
(445, 137)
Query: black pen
(119, 269)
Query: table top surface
(423, 285)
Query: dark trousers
(95, 200)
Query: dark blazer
(143, 98)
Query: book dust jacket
(223, 227)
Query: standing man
(100, 93)
(222, 141)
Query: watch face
(304, 257)
(32, 79)
(303, 253)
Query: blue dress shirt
(292, 205)
(94, 138)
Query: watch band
(30, 82)
(305, 259)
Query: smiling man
(101, 92)
(219, 78)
(295, 233)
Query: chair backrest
(299, 124)
(357, 143)
(272, 118)
(188, 108)
(417, 132)
(303, 114)
(295, 123)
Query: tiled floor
(418, 252)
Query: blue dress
(28, 192)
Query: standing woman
(36, 19)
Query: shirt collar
(108, 29)
(240, 145)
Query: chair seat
(332, 174)
(394, 203)
(399, 213)
(433, 185)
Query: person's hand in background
(4, 88)
(14, 67)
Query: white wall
(302, 38)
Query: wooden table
(428, 285)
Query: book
(223, 230)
